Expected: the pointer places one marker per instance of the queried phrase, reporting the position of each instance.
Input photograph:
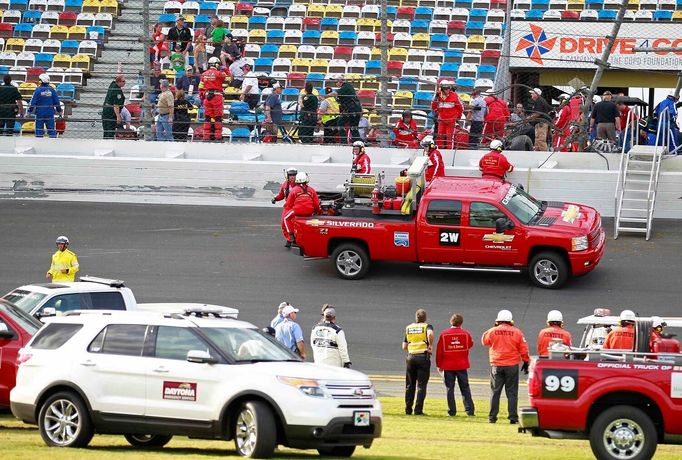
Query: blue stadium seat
(422, 100)
(439, 41)
(168, 18)
(275, 36)
(201, 21)
(23, 30)
(594, 4)
(392, 12)
(474, 28)
(408, 84)
(317, 79)
(241, 135)
(290, 94)
(311, 37)
(468, 4)
(424, 12)
(263, 65)
(240, 111)
(73, 5)
(66, 91)
(454, 56)
(101, 33)
(534, 15)
(487, 71)
(607, 15)
(449, 69)
(4, 70)
(539, 5)
(69, 47)
(373, 67)
(31, 16)
(257, 22)
(20, 5)
(348, 38)
(269, 50)
(283, 3)
(478, 14)
(206, 8)
(663, 15)
(465, 84)
(329, 24)
(419, 26)
(44, 60)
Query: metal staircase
(638, 181)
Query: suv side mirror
(5, 333)
(503, 224)
(47, 311)
(200, 357)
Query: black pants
(109, 126)
(475, 134)
(252, 100)
(180, 130)
(7, 121)
(506, 377)
(418, 368)
(306, 129)
(331, 131)
(450, 377)
(352, 121)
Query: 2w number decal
(560, 384)
(448, 237)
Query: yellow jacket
(62, 260)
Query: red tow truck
(455, 223)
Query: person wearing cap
(114, 101)
(478, 110)
(230, 51)
(350, 109)
(561, 120)
(45, 103)
(447, 108)
(238, 68)
(64, 264)
(189, 82)
(215, 37)
(274, 114)
(250, 90)
(452, 359)
(289, 333)
(552, 333)
(606, 117)
(279, 317)
(660, 342)
(622, 337)
(496, 118)
(539, 117)
(328, 341)
(418, 342)
(180, 36)
(329, 114)
(165, 106)
(405, 131)
(507, 349)
(669, 123)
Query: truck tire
(148, 441)
(624, 433)
(351, 261)
(255, 433)
(337, 451)
(548, 270)
(64, 421)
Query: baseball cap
(537, 91)
(330, 312)
(276, 85)
(188, 67)
(286, 311)
(607, 93)
(180, 18)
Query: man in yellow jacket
(64, 263)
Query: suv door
(439, 235)
(482, 246)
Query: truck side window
(107, 301)
(444, 212)
(65, 302)
(484, 214)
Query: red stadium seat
(389, 38)
(490, 57)
(67, 18)
(296, 80)
(244, 9)
(395, 68)
(311, 23)
(405, 12)
(6, 30)
(343, 52)
(570, 15)
(368, 98)
(456, 27)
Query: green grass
(435, 436)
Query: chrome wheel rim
(247, 432)
(142, 438)
(349, 263)
(546, 272)
(624, 438)
(62, 422)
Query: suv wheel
(64, 421)
(255, 433)
(337, 451)
(350, 261)
(149, 441)
(624, 433)
(548, 270)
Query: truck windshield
(29, 323)
(247, 345)
(26, 300)
(521, 204)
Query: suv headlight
(308, 387)
(579, 243)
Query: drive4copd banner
(575, 45)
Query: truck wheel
(624, 433)
(255, 433)
(147, 441)
(548, 270)
(337, 451)
(64, 421)
(350, 261)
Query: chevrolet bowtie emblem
(315, 222)
(498, 237)
(571, 214)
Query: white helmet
(359, 144)
(428, 142)
(214, 62)
(555, 316)
(447, 84)
(657, 321)
(62, 240)
(627, 315)
(291, 171)
(302, 178)
(496, 144)
(504, 315)
(43, 77)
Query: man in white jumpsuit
(329, 341)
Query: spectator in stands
(189, 83)
(273, 113)
(350, 109)
(496, 118)
(329, 113)
(364, 127)
(540, 117)
(479, 109)
(308, 104)
(160, 48)
(250, 92)
(165, 106)
(519, 114)
(177, 59)
(230, 51)
(238, 68)
(113, 103)
(199, 51)
(155, 82)
(405, 131)
(45, 103)
(10, 105)
(126, 118)
(181, 117)
(606, 117)
(180, 35)
(217, 37)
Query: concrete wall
(249, 174)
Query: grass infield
(435, 436)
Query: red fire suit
(436, 166)
(547, 335)
(498, 114)
(302, 201)
(406, 134)
(561, 121)
(362, 164)
(448, 110)
(575, 103)
(660, 344)
(283, 194)
(495, 164)
(621, 338)
(212, 81)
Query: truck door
(439, 232)
(482, 246)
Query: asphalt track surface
(235, 257)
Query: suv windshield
(247, 345)
(26, 300)
(522, 205)
(27, 322)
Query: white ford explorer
(150, 376)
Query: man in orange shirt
(623, 336)
(508, 348)
(554, 331)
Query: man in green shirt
(10, 105)
(351, 110)
(113, 103)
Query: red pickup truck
(460, 223)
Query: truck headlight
(579, 243)
(308, 387)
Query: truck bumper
(528, 418)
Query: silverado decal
(571, 214)
(180, 391)
(339, 223)
(560, 383)
(498, 238)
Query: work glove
(347, 365)
(524, 367)
(273, 201)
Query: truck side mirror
(503, 224)
(47, 311)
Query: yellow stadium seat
(189, 20)
(376, 53)
(28, 128)
(316, 11)
(109, 6)
(365, 25)
(61, 60)
(329, 38)
(677, 16)
(26, 90)
(257, 37)
(231, 93)
(333, 11)
(576, 5)
(301, 65)
(369, 82)
(59, 32)
(319, 66)
(287, 51)
(397, 54)
(421, 40)
(170, 75)
(633, 5)
(81, 61)
(77, 33)
(15, 45)
(403, 99)
(476, 42)
(91, 6)
(239, 22)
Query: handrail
(631, 127)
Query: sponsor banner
(575, 45)
(180, 391)
(401, 239)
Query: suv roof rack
(90, 312)
(202, 312)
(105, 281)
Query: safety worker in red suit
(561, 121)
(494, 163)
(622, 337)
(452, 359)
(405, 131)
(496, 118)
(448, 109)
(575, 103)
(553, 332)
(660, 343)
(302, 202)
(211, 94)
(361, 161)
(436, 167)
(283, 194)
